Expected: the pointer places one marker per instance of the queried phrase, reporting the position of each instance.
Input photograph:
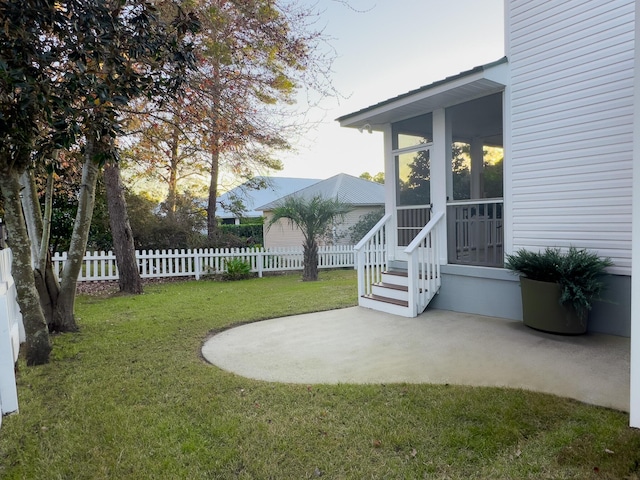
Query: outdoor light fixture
(366, 127)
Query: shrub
(237, 269)
(578, 271)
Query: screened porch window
(412, 132)
(412, 140)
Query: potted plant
(558, 288)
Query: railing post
(361, 266)
(196, 261)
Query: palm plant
(313, 217)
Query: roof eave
(466, 86)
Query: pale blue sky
(393, 47)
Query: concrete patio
(357, 345)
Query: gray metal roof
(346, 188)
(468, 85)
(274, 188)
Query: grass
(130, 397)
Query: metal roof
(275, 187)
(468, 85)
(346, 188)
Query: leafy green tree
(416, 190)
(68, 69)
(378, 177)
(313, 217)
(364, 224)
(255, 56)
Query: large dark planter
(541, 309)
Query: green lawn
(129, 397)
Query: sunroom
(444, 151)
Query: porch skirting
(495, 292)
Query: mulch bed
(110, 287)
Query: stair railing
(371, 256)
(424, 264)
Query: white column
(390, 195)
(634, 401)
(439, 159)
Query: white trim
(634, 388)
(438, 183)
(390, 194)
(413, 148)
(507, 169)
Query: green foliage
(378, 177)
(364, 224)
(236, 269)
(253, 234)
(416, 188)
(578, 271)
(313, 217)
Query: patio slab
(357, 345)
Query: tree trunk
(310, 258)
(212, 222)
(128, 275)
(38, 229)
(86, 199)
(38, 344)
(173, 174)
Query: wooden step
(397, 273)
(392, 286)
(393, 301)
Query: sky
(385, 48)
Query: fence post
(196, 261)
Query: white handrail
(371, 256)
(423, 267)
(480, 201)
(372, 232)
(423, 233)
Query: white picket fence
(197, 263)
(12, 334)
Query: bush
(237, 269)
(251, 233)
(365, 223)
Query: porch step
(385, 304)
(393, 301)
(390, 290)
(394, 277)
(392, 286)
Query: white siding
(571, 101)
(282, 234)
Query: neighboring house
(557, 114)
(241, 201)
(363, 195)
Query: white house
(363, 195)
(242, 200)
(559, 108)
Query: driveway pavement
(357, 345)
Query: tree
(255, 55)
(313, 217)
(364, 224)
(68, 70)
(24, 86)
(129, 280)
(416, 190)
(378, 177)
